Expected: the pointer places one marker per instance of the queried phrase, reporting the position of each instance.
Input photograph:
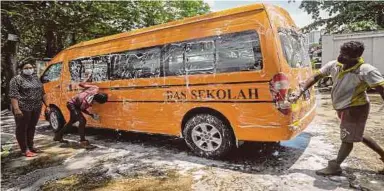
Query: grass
(171, 180)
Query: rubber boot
(332, 169)
(382, 171)
(85, 144)
(59, 138)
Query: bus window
(52, 73)
(86, 68)
(143, 63)
(75, 70)
(200, 57)
(238, 52)
(100, 68)
(117, 64)
(121, 68)
(146, 63)
(173, 59)
(95, 66)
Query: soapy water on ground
(134, 161)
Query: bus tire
(56, 119)
(208, 136)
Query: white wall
(373, 42)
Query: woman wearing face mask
(27, 96)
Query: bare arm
(324, 71)
(85, 85)
(15, 106)
(89, 112)
(307, 84)
(311, 81)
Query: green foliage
(345, 16)
(47, 27)
(314, 45)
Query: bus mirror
(44, 79)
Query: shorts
(353, 120)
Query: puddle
(299, 142)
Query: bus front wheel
(56, 119)
(208, 136)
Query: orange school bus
(214, 79)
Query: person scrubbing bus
(82, 103)
(351, 76)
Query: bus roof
(190, 20)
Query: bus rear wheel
(56, 119)
(208, 136)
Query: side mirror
(44, 79)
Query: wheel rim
(206, 137)
(54, 121)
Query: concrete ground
(134, 161)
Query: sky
(300, 17)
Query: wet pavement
(122, 157)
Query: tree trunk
(60, 44)
(50, 50)
(73, 38)
(10, 58)
(9, 71)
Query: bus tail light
(279, 87)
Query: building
(313, 37)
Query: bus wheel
(208, 136)
(56, 119)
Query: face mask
(28, 71)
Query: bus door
(51, 79)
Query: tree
(47, 27)
(345, 16)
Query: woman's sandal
(30, 154)
(36, 150)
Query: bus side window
(174, 59)
(135, 61)
(120, 66)
(86, 69)
(238, 52)
(96, 66)
(200, 57)
(143, 63)
(100, 68)
(75, 70)
(147, 63)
